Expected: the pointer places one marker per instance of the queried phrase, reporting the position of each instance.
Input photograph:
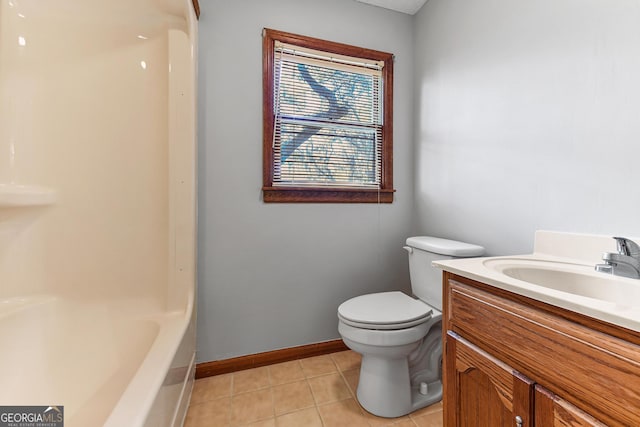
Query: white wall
(527, 117)
(272, 276)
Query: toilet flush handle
(408, 249)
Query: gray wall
(272, 276)
(527, 117)
(511, 116)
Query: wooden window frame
(196, 8)
(319, 194)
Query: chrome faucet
(626, 262)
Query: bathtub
(98, 208)
(101, 361)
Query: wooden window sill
(325, 195)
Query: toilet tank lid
(445, 247)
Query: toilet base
(395, 363)
(384, 388)
(390, 377)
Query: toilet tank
(426, 280)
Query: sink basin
(576, 279)
(560, 272)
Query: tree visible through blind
(328, 119)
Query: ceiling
(405, 6)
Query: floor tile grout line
(313, 395)
(347, 361)
(289, 380)
(322, 420)
(352, 393)
(273, 401)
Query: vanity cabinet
(488, 392)
(550, 410)
(513, 361)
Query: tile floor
(318, 391)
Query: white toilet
(400, 337)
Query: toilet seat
(384, 310)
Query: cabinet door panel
(552, 351)
(551, 411)
(488, 392)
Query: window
(327, 121)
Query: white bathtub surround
(17, 196)
(97, 208)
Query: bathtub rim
(135, 403)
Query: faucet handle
(627, 247)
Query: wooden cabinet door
(552, 411)
(481, 390)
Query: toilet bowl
(400, 337)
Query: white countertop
(552, 248)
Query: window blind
(328, 119)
